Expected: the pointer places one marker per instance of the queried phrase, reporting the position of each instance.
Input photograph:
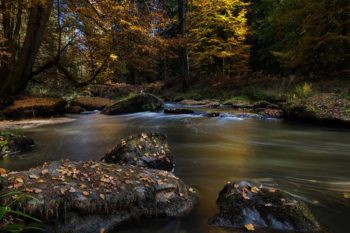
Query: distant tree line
(138, 41)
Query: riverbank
(326, 102)
(321, 102)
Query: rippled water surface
(310, 162)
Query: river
(308, 161)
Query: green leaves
(21, 214)
(3, 211)
(17, 196)
(301, 36)
(218, 31)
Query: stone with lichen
(139, 103)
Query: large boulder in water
(138, 103)
(246, 205)
(143, 150)
(91, 196)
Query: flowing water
(310, 162)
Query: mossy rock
(138, 103)
(264, 104)
(90, 196)
(244, 204)
(12, 143)
(143, 150)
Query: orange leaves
(63, 190)
(3, 171)
(250, 227)
(86, 193)
(255, 189)
(113, 57)
(83, 186)
(18, 183)
(35, 177)
(33, 190)
(272, 190)
(45, 171)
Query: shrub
(303, 91)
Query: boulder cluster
(131, 181)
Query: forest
(131, 115)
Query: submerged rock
(178, 111)
(212, 114)
(138, 103)
(31, 107)
(246, 205)
(250, 116)
(273, 113)
(11, 143)
(90, 196)
(203, 103)
(92, 103)
(143, 150)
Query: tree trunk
(19, 74)
(183, 54)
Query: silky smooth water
(310, 162)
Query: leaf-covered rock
(143, 150)
(92, 103)
(89, 196)
(31, 107)
(246, 205)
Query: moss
(237, 100)
(149, 107)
